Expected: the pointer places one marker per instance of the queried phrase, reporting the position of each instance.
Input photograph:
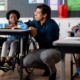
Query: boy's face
(38, 15)
(13, 18)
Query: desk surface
(14, 31)
(69, 41)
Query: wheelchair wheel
(31, 47)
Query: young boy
(12, 41)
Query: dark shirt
(46, 33)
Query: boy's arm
(75, 27)
(77, 34)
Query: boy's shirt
(76, 29)
(20, 24)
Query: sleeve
(31, 23)
(3, 25)
(22, 25)
(78, 25)
(75, 31)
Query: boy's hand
(75, 27)
(33, 31)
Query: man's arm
(32, 28)
(33, 31)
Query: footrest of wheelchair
(7, 68)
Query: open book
(13, 28)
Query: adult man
(45, 31)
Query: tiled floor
(36, 75)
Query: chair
(73, 60)
(16, 58)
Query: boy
(12, 41)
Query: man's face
(38, 14)
(13, 18)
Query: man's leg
(50, 57)
(32, 58)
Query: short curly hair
(13, 11)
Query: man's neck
(43, 20)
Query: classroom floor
(37, 74)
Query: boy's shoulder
(20, 22)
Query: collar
(47, 20)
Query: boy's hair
(45, 9)
(13, 11)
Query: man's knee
(28, 61)
(50, 55)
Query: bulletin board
(73, 8)
(73, 5)
(27, 10)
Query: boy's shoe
(8, 64)
(1, 63)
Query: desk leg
(62, 66)
(21, 58)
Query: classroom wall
(26, 10)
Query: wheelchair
(16, 59)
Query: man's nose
(35, 13)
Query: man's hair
(13, 11)
(45, 9)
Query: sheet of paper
(72, 38)
(54, 4)
(35, 1)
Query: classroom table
(69, 45)
(20, 33)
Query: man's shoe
(46, 73)
(52, 76)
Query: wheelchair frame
(16, 60)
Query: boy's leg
(13, 50)
(77, 58)
(4, 50)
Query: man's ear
(45, 15)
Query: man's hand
(33, 31)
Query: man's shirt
(46, 33)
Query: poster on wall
(3, 5)
(35, 1)
(73, 5)
(53, 4)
